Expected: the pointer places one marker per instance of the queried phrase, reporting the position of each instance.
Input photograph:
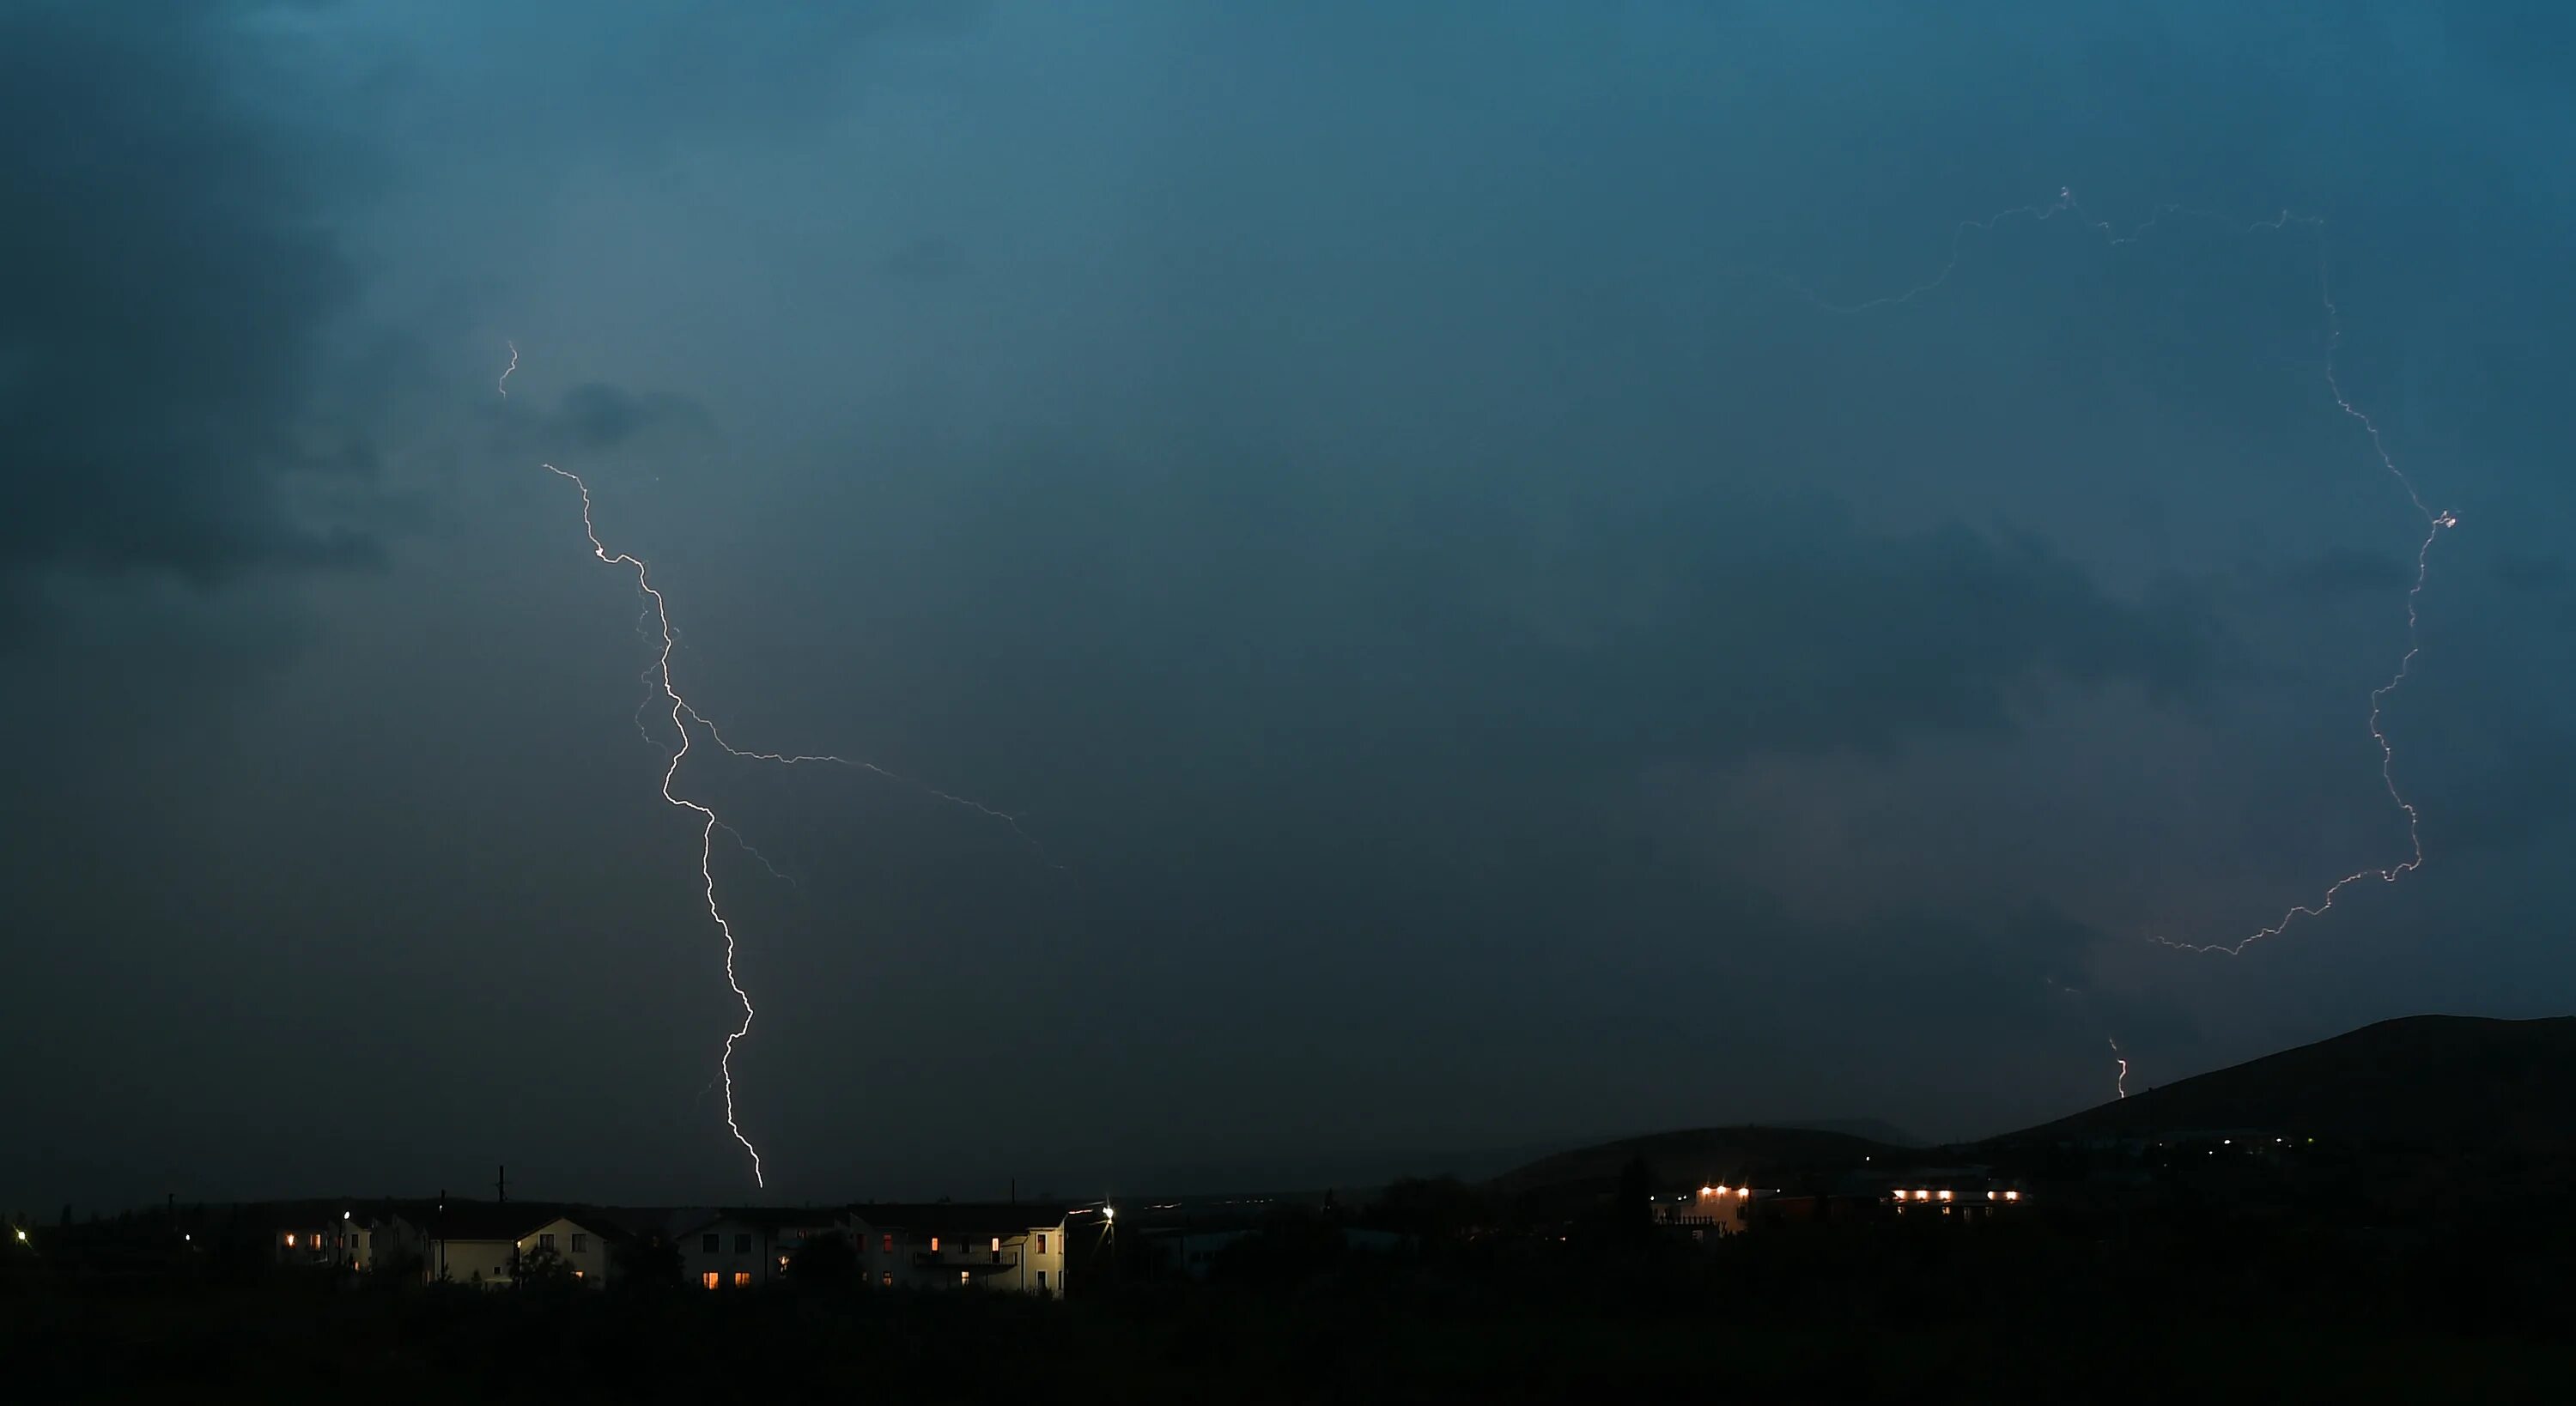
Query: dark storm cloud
(1646, 624)
(2533, 575)
(596, 416)
(1484, 662)
(2348, 571)
(924, 260)
(168, 283)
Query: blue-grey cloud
(169, 279)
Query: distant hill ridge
(1691, 1155)
(2444, 1080)
(2466, 1083)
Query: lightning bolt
(503, 385)
(2119, 1077)
(657, 613)
(2435, 522)
(681, 715)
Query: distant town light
(1109, 1212)
(1990, 1196)
(1921, 1195)
(22, 1237)
(344, 1215)
(290, 1240)
(1744, 1191)
(2012, 1195)
(1945, 1195)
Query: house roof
(515, 1220)
(765, 1217)
(966, 1218)
(484, 1220)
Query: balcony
(977, 1261)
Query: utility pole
(501, 1184)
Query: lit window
(576, 1274)
(1041, 1244)
(889, 1278)
(742, 1278)
(2012, 1195)
(1990, 1196)
(934, 1244)
(889, 1242)
(580, 1244)
(782, 1261)
(997, 1244)
(290, 1239)
(707, 1243)
(964, 1276)
(709, 1279)
(1945, 1195)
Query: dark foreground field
(241, 1346)
(1813, 1317)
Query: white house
(375, 1236)
(333, 1234)
(1014, 1246)
(482, 1243)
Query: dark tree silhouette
(541, 1268)
(650, 1262)
(1633, 1212)
(823, 1262)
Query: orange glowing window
(934, 1244)
(709, 1279)
(742, 1278)
(997, 1244)
(290, 1240)
(1041, 1244)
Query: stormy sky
(1476, 656)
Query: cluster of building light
(1725, 1191)
(1927, 1194)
